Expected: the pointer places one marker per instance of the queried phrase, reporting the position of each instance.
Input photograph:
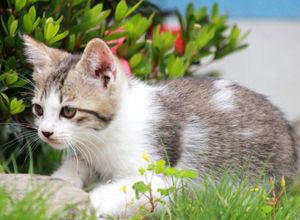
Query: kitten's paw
(108, 204)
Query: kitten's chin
(56, 144)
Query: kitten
(87, 102)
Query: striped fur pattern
(203, 123)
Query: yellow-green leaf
(13, 27)
(19, 5)
(135, 60)
(11, 78)
(121, 10)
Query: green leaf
(77, 14)
(11, 64)
(171, 61)
(39, 35)
(5, 97)
(150, 167)
(133, 8)
(267, 209)
(161, 163)
(149, 52)
(179, 174)
(170, 171)
(48, 30)
(215, 11)
(235, 33)
(19, 107)
(3, 76)
(59, 20)
(179, 17)
(139, 28)
(121, 10)
(200, 14)
(10, 41)
(102, 30)
(190, 174)
(135, 60)
(13, 104)
(19, 5)
(3, 106)
(241, 47)
(71, 42)
(13, 27)
(3, 25)
(103, 15)
(156, 37)
(36, 23)
(11, 19)
(162, 66)
(115, 36)
(77, 2)
(205, 35)
(221, 22)
(139, 187)
(245, 36)
(28, 26)
(83, 27)
(159, 169)
(91, 15)
(32, 13)
(19, 83)
(11, 78)
(142, 171)
(58, 37)
(189, 49)
(54, 31)
(164, 192)
(176, 67)
(201, 55)
(189, 11)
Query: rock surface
(60, 193)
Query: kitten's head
(74, 94)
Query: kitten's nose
(47, 134)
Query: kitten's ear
(39, 55)
(98, 61)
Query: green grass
(219, 200)
(226, 201)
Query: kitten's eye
(68, 112)
(38, 110)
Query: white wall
(270, 65)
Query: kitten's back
(206, 123)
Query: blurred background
(271, 63)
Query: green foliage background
(70, 25)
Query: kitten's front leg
(110, 200)
(73, 170)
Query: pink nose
(47, 134)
